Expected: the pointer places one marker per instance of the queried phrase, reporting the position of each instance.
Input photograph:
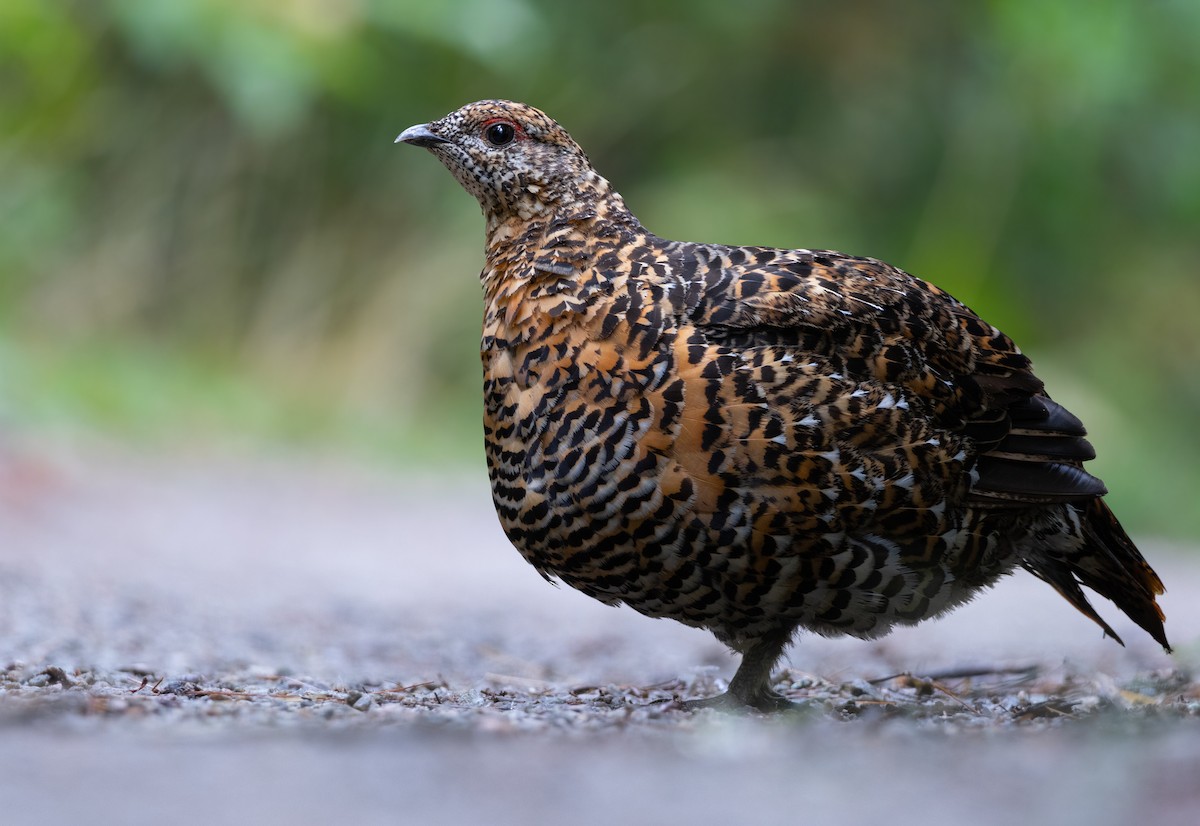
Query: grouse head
(516, 161)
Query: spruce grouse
(755, 440)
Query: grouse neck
(586, 203)
(552, 254)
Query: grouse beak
(421, 135)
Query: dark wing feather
(875, 321)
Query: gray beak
(420, 135)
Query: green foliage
(215, 179)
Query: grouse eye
(500, 133)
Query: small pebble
(359, 701)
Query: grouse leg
(750, 687)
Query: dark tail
(1111, 565)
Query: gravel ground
(227, 639)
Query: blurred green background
(208, 237)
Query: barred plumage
(756, 440)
